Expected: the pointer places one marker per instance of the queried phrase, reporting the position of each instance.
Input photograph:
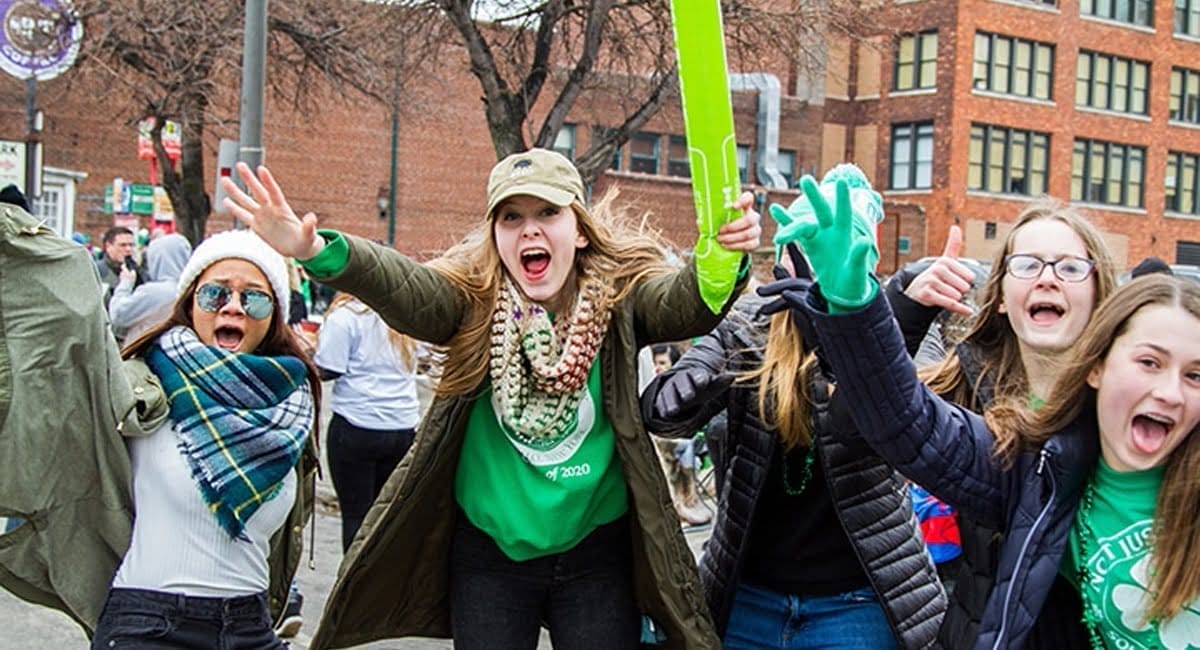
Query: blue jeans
(583, 595)
(140, 618)
(766, 619)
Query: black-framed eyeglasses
(1068, 269)
(212, 297)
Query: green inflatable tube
(712, 147)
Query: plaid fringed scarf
(242, 420)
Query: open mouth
(228, 338)
(534, 262)
(1150, 432)
(1045, 313)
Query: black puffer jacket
(949, 450)
(869, 497)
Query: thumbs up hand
(946, 281)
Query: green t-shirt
(1121, 518)
(537, 502)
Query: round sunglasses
(212, 297)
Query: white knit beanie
(239, 244)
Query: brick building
(336, 161)
(976, 106)
(962, 113)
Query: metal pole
(254, 68)
(392, 180)
(31, 139)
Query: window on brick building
(1111, 83)
(564, 142)
(1134, 12)
(785, 163)
(989, 230)
(743, 163)
(1013, 66)
(1181, 182)
(599, 133)
(912, 156)
(643, 152)
(677, 157)
(1007, 161)
(1187, 17)
(1185, 95)
(1108, 173)
(916, 61)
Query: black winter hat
(11, 194)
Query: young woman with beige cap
(532, 494)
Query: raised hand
(946, 281)
(684, 389)
(744, 233)
(841, 254)
(266, 211)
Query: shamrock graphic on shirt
(1180, 632)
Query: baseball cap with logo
(545, 174)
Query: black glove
(683, 390)
(790, 293)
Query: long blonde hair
(992, 334)
(1175, 578)
(621, 249)
(783, 377)
(403, 345)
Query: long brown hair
(403, 345)
(783, 382)
(1175, 578)
(621, 249)
(279, 341)
(992, 334)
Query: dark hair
(112, 233)
(280, 340)
(12, 194)
(669, 349)
(1148, 266)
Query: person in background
(12, 195)
(533, 494)
(135, 307)
(678, 457)
(117, 244)
(375, 408)
(1148, 266)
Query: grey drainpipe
(767, 85)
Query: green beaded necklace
(805, 474)
(1091, 617)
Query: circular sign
(40, 38)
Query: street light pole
(33, 188)
(254, 63)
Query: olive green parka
(394, 579)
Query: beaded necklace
(805, 473)
(1091, 616)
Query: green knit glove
(840, 254)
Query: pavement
(24, 626)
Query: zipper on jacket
(1043, 455)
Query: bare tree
(520, 49)
(177, 61)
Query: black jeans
(139, 618)
(360, 462)
(584, 595)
